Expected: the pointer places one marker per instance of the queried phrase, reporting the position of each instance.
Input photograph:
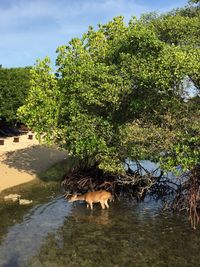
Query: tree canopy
(14, 87)
(119, 92)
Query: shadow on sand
(33, 160)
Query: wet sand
(21, 162)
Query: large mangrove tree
(127, 91)
(121, 90)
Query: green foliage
(41, 108)
(14, 87)
(184, 149)
(178, 29)
(118, 92)
(194, 1)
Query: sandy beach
(22, 161)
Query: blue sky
(32, 29)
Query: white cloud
(34, 28)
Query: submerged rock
(25, 201)
(16, 197)
(13, 197)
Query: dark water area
(58, 233)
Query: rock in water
(13, 197)
(25, 202)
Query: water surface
(57, 233)
(53, 233)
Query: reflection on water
(120, 236)
(59, 234)
(24, 239)
(147, 164)
(100, 217)
(128, 234)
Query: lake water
(53, 232)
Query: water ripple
(24, 240)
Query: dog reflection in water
(101, 197)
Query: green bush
(14, 87)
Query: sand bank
(22, 162)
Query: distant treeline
(14, 87)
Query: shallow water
(53, 233)
(56, 233)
